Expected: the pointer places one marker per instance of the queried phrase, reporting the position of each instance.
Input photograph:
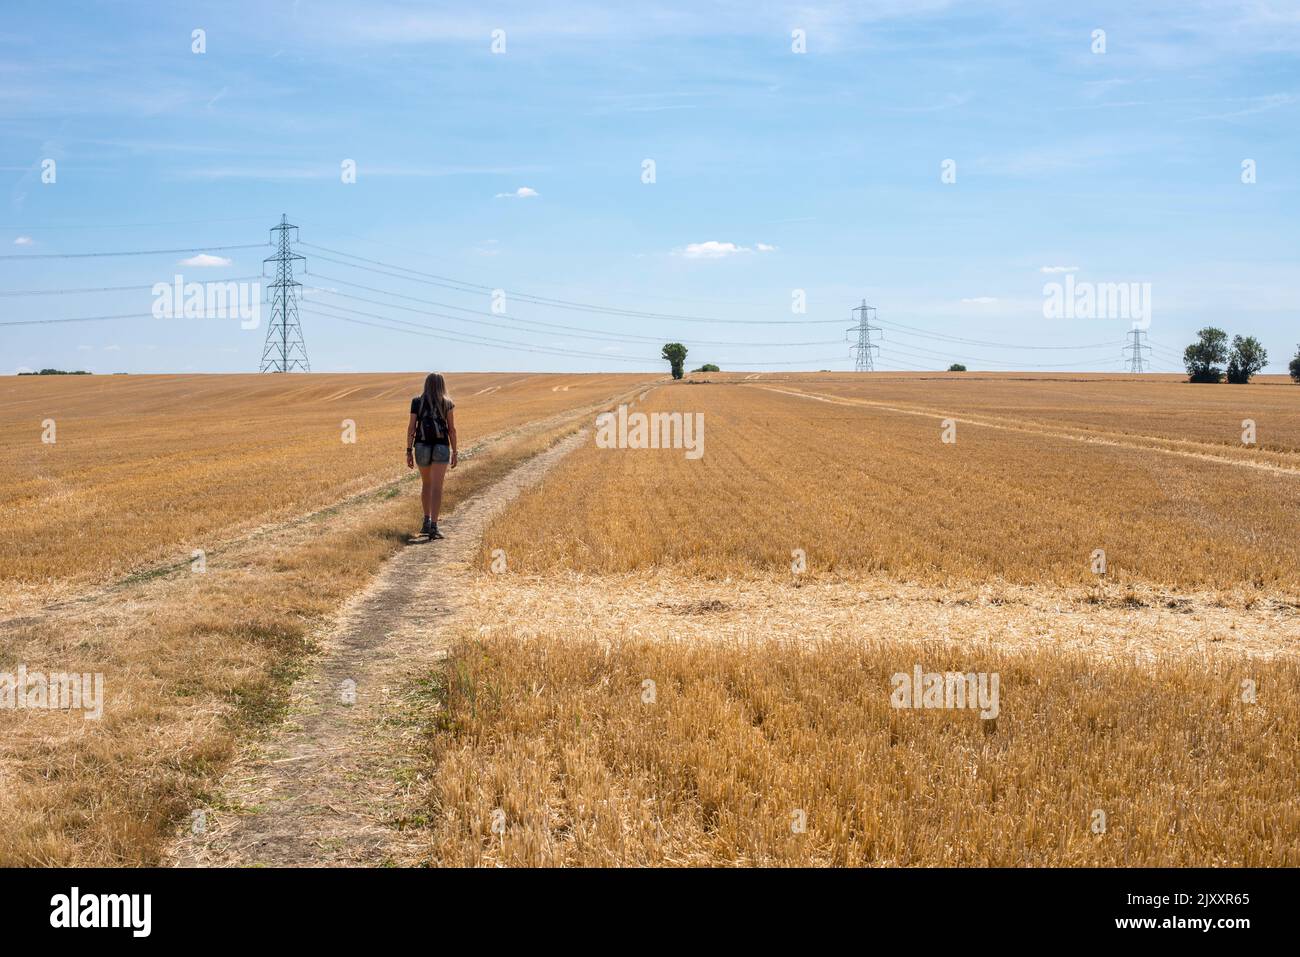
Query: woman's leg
(438, 472)
(426, 488)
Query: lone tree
(1295, 365)
(1247, 358)
(675, 353)
(1205, 357)
(956, 367)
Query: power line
(50, 322)
(984, 342)
(475, 339)
(181, 222)
(467, 287)
(285, 324)
(923, 353)
(130, 252)
(515, 322)
(70, 292)
(466, 338)
(457, 285)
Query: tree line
(1211, 358)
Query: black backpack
(431, 428)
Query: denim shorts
(426, 454)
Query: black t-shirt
(432, 428)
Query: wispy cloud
(24, 241)
(205, 261)
(949, 102)
(273, 172)
(1260, 104)
(1055, 269)
(523, 192)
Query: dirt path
(1185, 448)
(331, 786)
(77, 597)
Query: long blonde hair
(435, 394)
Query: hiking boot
(433, 530)
(428, 526)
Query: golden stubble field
(144, 469)
(638, 674)
(98, 578)
(668, 689)
(864, 482)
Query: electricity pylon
(1136, 362)
(284, 350)
(864, 348)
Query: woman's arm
(410, 441)
(451, 434)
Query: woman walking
(431, 445)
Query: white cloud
(523, 192)
(1058, 269)
(24, 241)
(714, 249)
(710, 250)
(204, 261)
(981, 300)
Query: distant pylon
(284, 350)
(864, 348)
(1136, 362)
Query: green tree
(675, 354)
(1247, 358)
(956, 367)
(1295, 365)
(707, 367)
(1205, 357)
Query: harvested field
(196, 665)
(868, 489)
(146, 468)
(655, 658)
(698, 659)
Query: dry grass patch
(742, 738)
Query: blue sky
(775, 171)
